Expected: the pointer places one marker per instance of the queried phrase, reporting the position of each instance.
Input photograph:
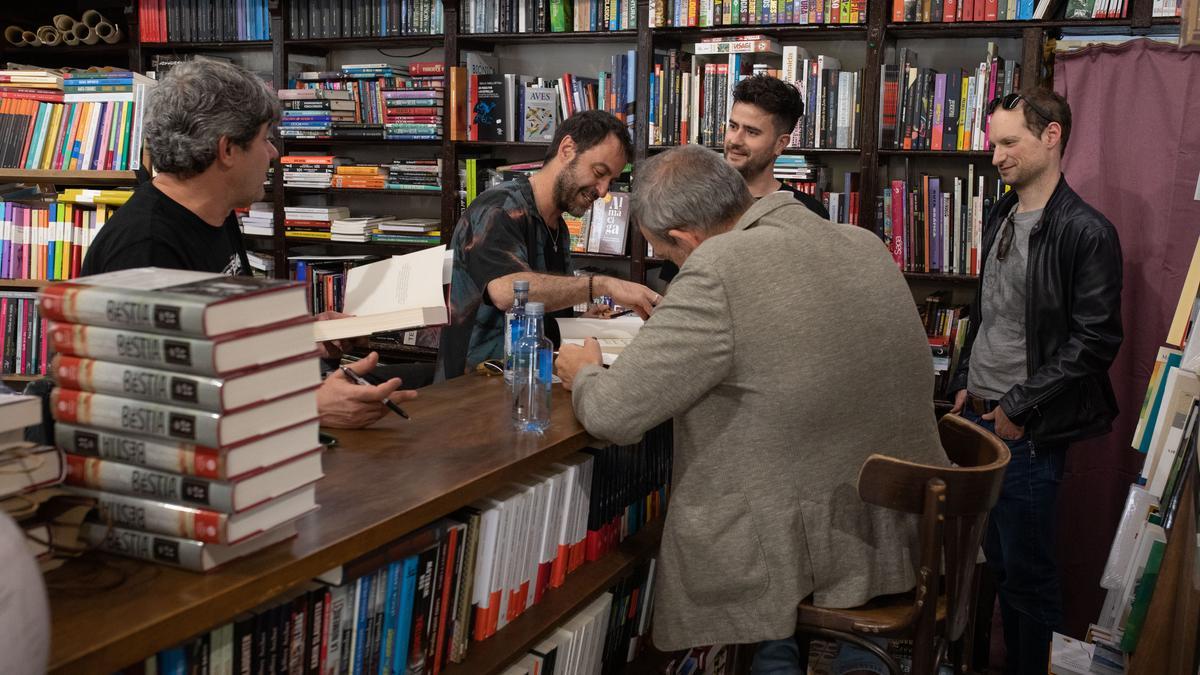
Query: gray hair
(195, 105)
(687, 188)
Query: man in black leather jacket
(1045, 327)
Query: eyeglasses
(1010, 102)
(1006, 236)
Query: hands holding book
(344, 404)
(628, 294)
(571, 358)
(333, 349)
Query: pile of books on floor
(424, 175)
(29, 477)
(311, 222)
(186, 404)
(258, 220)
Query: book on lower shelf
(195, 450)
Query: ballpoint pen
(358, 379)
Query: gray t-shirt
(998, 356)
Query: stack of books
(360, 177)
(373, 101)
(355, 229)
(414, 231)
(186, 403)
(424, 175)
(310, 171)
(414, 111)
(258, 220)
(29, 476)
(311, 222)
(311, 113)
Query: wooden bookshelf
(935, 277)
(380, 484)
(362, 191)
(470, 40)
(24, 283)
(214, 46)
(90, 178)
(12, 377)
(510, 643)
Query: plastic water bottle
(532, 369)
(514, 323)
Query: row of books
(922, 109)
(512, 107)
(214, 21)
(946, 327)
(710, 13)
(388, 230)
(323, 19)
(691, 91)
(47, 241)
(547, 16)
(366, 101)
(24, 349)
(417, 604)
(94, 124)
(953, 11)
(934, 224)
(803, 173)
(311, 222)
(603, 228)
(186, 406)
(329, 171)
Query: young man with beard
(765, 110)
(1045, 327)
(515, 231)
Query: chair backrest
(953, 502)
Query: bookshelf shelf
(974, 154)
(60, 50)
(159, 47)
(498, 652)
(1012, 29)
(325, 142)
(394, 41)
(24, 283)
(784, 32)
(99, 178)
(935, 277)
(7, 377)
(360, 191)
(380, 484)
(617, 36)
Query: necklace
(554, 236)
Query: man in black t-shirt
(765, 110)
(516, 231)
(208, 131)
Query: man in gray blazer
(788, 351)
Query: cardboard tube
(91, 18)
(49, 36)
(85, 34)
(13, 35)
(69, 38)
(63, 22)
(31, 38)
(108, 32)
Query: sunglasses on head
(1010, 102)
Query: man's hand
(343, 404)
(573, 357)
(598, 312)
(960, 402)
(628, 294)
(1005, 428)
(334, 348)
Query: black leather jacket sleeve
(1093, 322)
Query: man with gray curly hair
(208, 131)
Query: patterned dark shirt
(492, 239)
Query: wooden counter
(379, 484)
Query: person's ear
(567, 149)
(781, 142)
(225, 151)
(1052, 135)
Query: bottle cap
(535, 309)
(521, 285)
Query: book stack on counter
(410, 231)
(417, 604)
(29, 478)
(186, 404)
(311, 222)
(258, 220)
(424, 175)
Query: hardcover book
(189, 554)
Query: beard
(753, 165)
(569, 195)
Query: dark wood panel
(380, 484)
(511, 642)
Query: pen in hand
(358, 379)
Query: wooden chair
(953, 503)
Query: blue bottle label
(545, 365)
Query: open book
(404, 291)
(612, 334)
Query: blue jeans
(782, 657)
(1019, 545)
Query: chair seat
(886, 615)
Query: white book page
(412, 280)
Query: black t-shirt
(670, 269)
(151, 229)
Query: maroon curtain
(1134, 154)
